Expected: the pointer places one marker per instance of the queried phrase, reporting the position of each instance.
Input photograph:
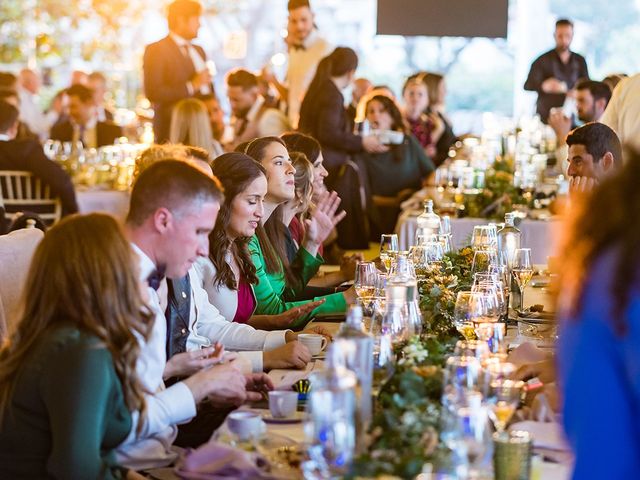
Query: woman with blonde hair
(190, 126)
(68, 380)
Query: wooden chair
(22, 191)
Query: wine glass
(383, 361)
(388, 248)
(502, 394)
(462, 374)
(482, 260)
(484, 237)
(472, 348)
(469, 306)
(366, 278)
(522, 270)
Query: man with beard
(554, 73)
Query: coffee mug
(315, 343)
(283, 404)
(245, 425)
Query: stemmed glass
(388, 248)
(483, 260)
(502, 394)
(484, 237)
(522, 270)
(469, 307)
(366, 278)
(383, 361)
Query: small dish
(297, 417)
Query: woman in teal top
(67, 375)
(277, 280)
(393, 176)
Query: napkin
(216, 461)
(547, 435)
(526, 353)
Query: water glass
(366, 278)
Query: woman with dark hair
(68, 381)
(278, 281)
(393, 176)
(599, 307)
(229, 274)
(323, 116)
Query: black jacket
(106, 132)
(28, 155)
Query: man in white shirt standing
(306, 49)
(172, 211)
(31, 114)
(623, 113)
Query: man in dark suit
(83, 124)
(173, 67)
(28, 155)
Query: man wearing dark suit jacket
(83, 124)
(173, 67)
(28, 155)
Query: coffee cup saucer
(297, 417)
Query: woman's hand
(284, 319)
(188, 363)
(322, 221)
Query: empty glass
(482, 260)
(484, 237)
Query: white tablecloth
(114, 202)
(538, 235)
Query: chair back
(22, 191)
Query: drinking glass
(463, 374)
(484, 237)
(472, 348)
(469, 307)
(482, 260)
(502, 394)
(522, 270)
(434, 252)
(366, 278)
(388, 248)
(383, 361)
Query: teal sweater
(271, 287)
(67, 412)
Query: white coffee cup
(283, 404)
(314, 342)
(245, 425)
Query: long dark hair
(272, 234)
(235, 171)
(599, 222)
(82, 274)
(300, 142)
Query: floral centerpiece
(404, 431)
(497, 198)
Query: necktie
(298, 46)
(155, 278)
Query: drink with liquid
(523, 276)
(501, 412)
(365, 291)
(387, 258)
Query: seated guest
(229, 274)
(12, 98)
(251, 117)
(28, 155)
(594, 153)
(68, 377)
(437, 104)
(391, 177)
(97, 82)
(216, 117)
(172, 210)
(426, 127)
(614, 79)
(190, 126)
(592, 99)
(31, 114)
(278, 283)
(83, 124)
(599, 321)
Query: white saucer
(297, 417)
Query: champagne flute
(365, 280)
(388, 248)
(522, 270)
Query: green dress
(67, 412)
(271, 288)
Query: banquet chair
(16, 250)
(22, 191)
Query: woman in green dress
(67, 375)
(278, 281)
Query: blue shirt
(600, 380)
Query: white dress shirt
(32, 115)
(207, 325)
(199, 63)
(166, 407)
(623, 113)
(302, 68)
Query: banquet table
(536, 234)
(113, 202)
